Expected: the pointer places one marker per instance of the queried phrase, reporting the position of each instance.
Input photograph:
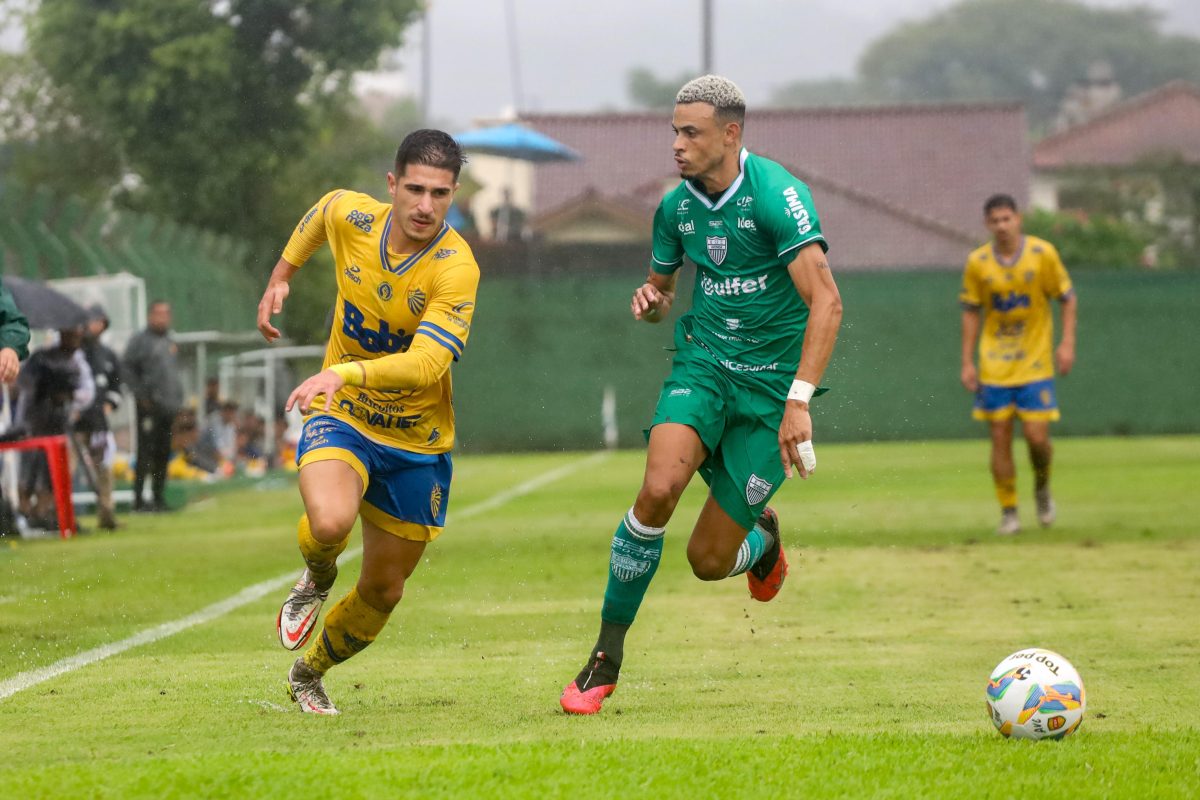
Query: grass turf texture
(864, 678)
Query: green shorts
(738, 423)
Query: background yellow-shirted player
(379, 420)
(1007, 288)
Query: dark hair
(432, 148)
(999, 201)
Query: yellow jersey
(1017, 330)
(401, 319)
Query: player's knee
(656, 501)
(381, 594)
(707, 565)
(329, 528)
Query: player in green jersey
(735, 407)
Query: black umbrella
(44, 306)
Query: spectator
(212, 396)
(55, 387)
(508, 221)
(92, 430)
(14, 337)
(217, 448)
(152, 369)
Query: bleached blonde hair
(720, 93)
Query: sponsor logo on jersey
(384, 290)
(378, 419)
(757, 490)
(459, 321)
(416, 301)
(687, 227)
(307, 219)
(352, 271)
(444, 252)
(716, 223)
(746, 224)
(733, 286)
(1009, 302)
(360, 220)
(796, 210)
(683, 205)
(718, 248)
(733, 324)
(434, 435)
(369, 339)
(680, 392)
(744, 201)
(461, 307)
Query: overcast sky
(575, 56)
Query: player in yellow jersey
(1007, 288)
(379, 420)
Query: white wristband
(801, 390)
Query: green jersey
(745, 310)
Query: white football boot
(1046, 510)
(1010, 523)
(298, 615)
(305, 687)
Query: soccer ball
(1035, 694)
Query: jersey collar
(407, 264)
(1016, 256)
(730, 192)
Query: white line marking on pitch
(25, 680)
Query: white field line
(26, 680)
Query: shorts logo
(718, 248)
(629, 560)
(757, 490)
(435, 501)
(384, 291)
(416, 301)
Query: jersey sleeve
(971, 295)
(667, 253)
(1055, 280)
(439, 340)
(789, 216)
(312, 231)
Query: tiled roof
(937, 162)
(1165, 120)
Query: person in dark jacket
(152, 369)
(14, 337)
(92, 429)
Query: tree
(209, 104)
(651, 93)
(1027, 50)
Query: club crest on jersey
(416, 301)
(718, 248)
(757, 490)
(384, 290)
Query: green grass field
(865, 678)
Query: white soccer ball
(1035, 694)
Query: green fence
(200, 272)
(543, 350)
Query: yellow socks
(320, 558)
(350, 626)
(1006, 492)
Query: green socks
(757, 542)
(636, 550)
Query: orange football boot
(588, 700)
(767, 576)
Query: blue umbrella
(516, 141)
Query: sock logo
(630, 560)
(757, 490)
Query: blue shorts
(1031, 402)
(405, 493)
